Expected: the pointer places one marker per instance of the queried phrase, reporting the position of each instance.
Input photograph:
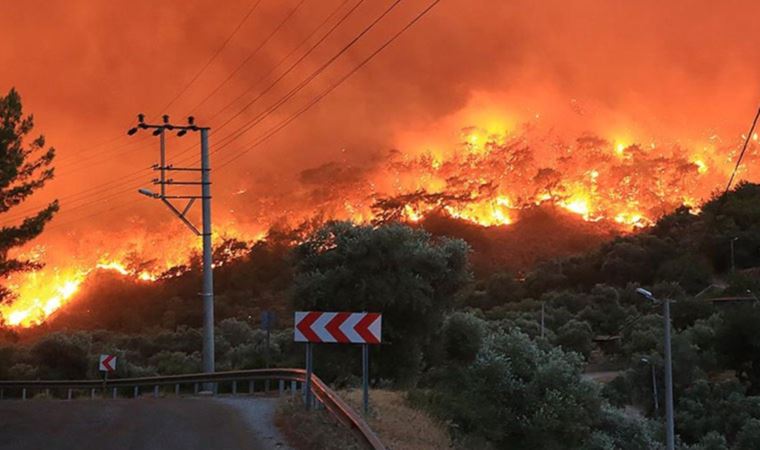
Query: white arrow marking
(348, 328)
(319, 327)
(375, 327)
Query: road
(147, 423)
(603, 376)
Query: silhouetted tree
(25, 167)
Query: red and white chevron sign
(107, 363)
(338, 327)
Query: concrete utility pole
(733, 255)
(646, 360)
(669, 420)
(205, 197)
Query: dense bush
(397, 270)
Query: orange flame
(486, 178)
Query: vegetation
(25, 167)
(469, 347)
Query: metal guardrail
(323, 394)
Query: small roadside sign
(268, 320)
(107, 363)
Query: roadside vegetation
(465, 346)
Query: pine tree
(25, 167)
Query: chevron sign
(338, 327)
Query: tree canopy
(25, 167)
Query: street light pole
(654, 386)
(670, 425)
(669, 420)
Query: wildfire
(486, 176)
(40, 293)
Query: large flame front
(492, 173)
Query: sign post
(106, 364)
(340, 328)
(309, 372)
(267, 323)
(365, 377)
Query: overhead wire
(133, 176)
(213, 57)
(331, 88)
(741, 154)
(77, 157)
(87, 162)
(250, 56)
(310, 104)
(282, 60)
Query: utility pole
(733, 255)
(669, 419)
(205, 183)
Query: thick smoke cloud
(678, 71)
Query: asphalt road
(147, 423)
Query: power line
(327, 91)
(290, 119)
(263, 43)
(282, 60)
(19, 214)
(292, 66)
(218, 51)
(77, 156)
(250, 56)
(272, 108)
(741, 155)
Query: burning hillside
(487, 179)
(496, 111)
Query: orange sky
(680, 71)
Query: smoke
(680, 76)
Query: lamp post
(646, 360)
(669, 421)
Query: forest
(462, 334)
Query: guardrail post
(176, 389)
(293, 388)
(155, 391)
(282, 387)
(2, 394)
(47, 392)
(234, 388)
(68, 395)
(250, 386)
(114, 394)
(23, 394)
(195, 389)
(92, 394)
(136, 391)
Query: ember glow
(511, 106)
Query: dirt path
(179, 423)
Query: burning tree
(25, 167)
